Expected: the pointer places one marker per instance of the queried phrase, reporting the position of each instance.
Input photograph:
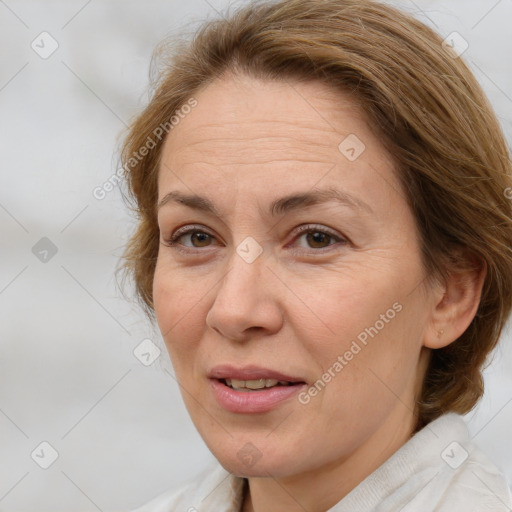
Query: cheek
(372, 322)
(344, 307)
(179, 312)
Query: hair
(427, 109)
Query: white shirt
(438, 469)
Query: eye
(314, 237)
(196, 238)
(318, 237)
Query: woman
(325, 242)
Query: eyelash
(302, 230)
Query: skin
(305, 299)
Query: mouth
(252, 378)
(252, 389)
(255, 385)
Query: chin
(248, 461)
(241, 469)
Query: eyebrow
(278, 207)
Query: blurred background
(90, 415)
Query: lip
(251, 402)
(249, 373)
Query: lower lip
(252, 401)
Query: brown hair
(429, 112)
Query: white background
(67, 369)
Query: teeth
(254, 384)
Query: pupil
(200, 237)
(317, 238)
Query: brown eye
(191, 237)
(318, 239)
(200, 239)
(313, 237)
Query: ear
(455, 303)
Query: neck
(320, 489)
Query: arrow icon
(44, 455)
(146, 352)
(455, 44)
(44, 250)
(454, 455)
(44, 45)
(351, 147)
(248, 249)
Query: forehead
(245, 128)
(238, 108)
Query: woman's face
(296, 266)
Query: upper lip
(249, 373)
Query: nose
(246, 303)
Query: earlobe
(455, 308)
